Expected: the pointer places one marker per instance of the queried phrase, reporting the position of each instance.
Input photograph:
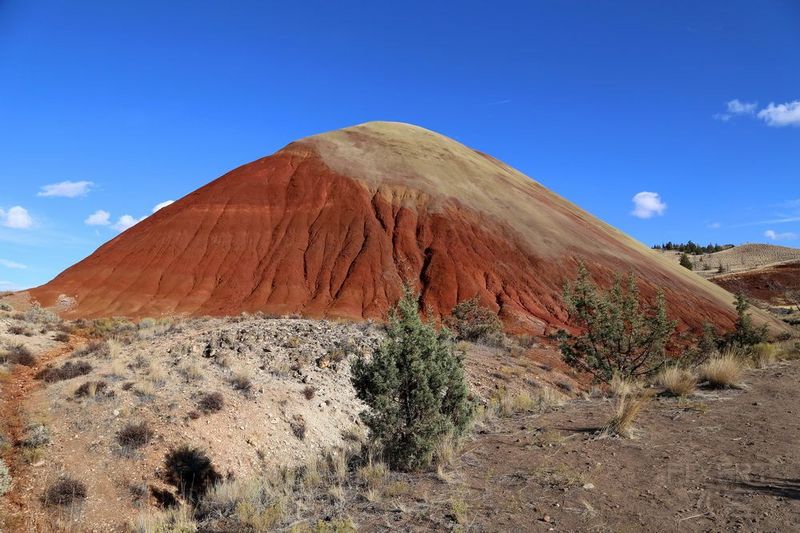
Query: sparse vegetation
(190, 471)
(414, 387)
(626, 410)
(17, 354)
(211, 402)
(677, 381)
(5, 478)
(91, 389)
(746, 334)
(472, 322)
(66, 491)
(134, 436)
(723, 371)
(685, 262)
(309, 392)
(241, 381)
(621, 334)
(69, 370)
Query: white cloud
(162, 205)
(16, 217)
(11, 264)
(66, 189)
(98, 218)
(646, 204)
(788, 236)
(126, 221)
(715, 225)
(787, 114)
(736, 107)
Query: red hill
(334, 224)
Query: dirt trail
(18, 388)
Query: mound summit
(334, 224)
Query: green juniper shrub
(745, 334)
(414, 387)
(686, 262)
(621, 334)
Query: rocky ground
(717, 461)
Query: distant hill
(740, 258)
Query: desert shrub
(677, 381)
(35, 435)
(134, 436)
(69, 370)
(191, 471)
(626, 410)
(247, 505)
(5, 478)
(309, 392)
(241, 381)
(763, 354)
(414, 387)
(211, 402)
(298, 425)
(90, 389)
(17, 354)
(4, 306)
(17, 329)
(93, 348)
(177, 520)
(621, 334)
(66, 491)
(745, 334)
(472, 322)
(722, 371)
(61, 337)
(686, 262)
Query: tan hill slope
(334, 224)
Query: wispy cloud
(98, 218)
(736, 107)
(12, 264)
(775, 236)
(66, 189)
(775, 115)
(778, 115)
(647, 204)
(715, 225)
(126, 222)
(16, 217)
(500, 102)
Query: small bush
(69, 370)
(90, 389)
(298, 425)
(309, 392)
(211, 402)
(20, 330)
(93, 348)
(677, 381)
(35, 435)
(723, 371)
(241, 381)
(61, 337)
(475, 323)
(764, 354)
(65, 491)
(17, 354)
(746, 334)
(5, 478)
(190, 471)
(134, 436)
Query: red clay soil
(769, 284)
(333, 225)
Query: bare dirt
(333, 225)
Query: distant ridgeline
(692, 248)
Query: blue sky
(692, 102)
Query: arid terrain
(716, 460)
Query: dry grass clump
(18, 329)
(93, 348)
(69, 370)
(211, 402)
(191, 370)
(309, 392)
(242, 381)
(619, 386)
(177, 520)
(134, 436)
(677, 381)
(722, 371)
(17, 354)
(508, 403)
(65, 491)
(252, 504)
(61, 336)
(298, 425)
(626, 411)
(763, 354)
